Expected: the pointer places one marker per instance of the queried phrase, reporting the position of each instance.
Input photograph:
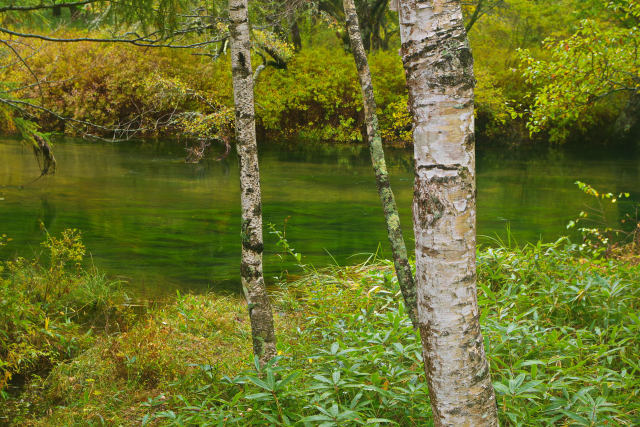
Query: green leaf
(260, 383)
(582, 420)
(288, 379)
(501, 388)
(378, 420)
(259, 396)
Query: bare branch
(139, 41)
(15, 52)
(45, 6)
(20, 105)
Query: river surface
(161, 224)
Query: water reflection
(164, 224)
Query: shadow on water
(163, 224)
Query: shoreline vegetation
(136, 92)
(560, 323)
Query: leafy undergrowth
(561, 333)
(50, 310)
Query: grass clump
(560, 325)
(49, 311)
(44, 305)
(160, 357)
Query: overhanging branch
(139, 41)
(14, 8)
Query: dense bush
(150, 92)
(561, 335)
(47, 309)
(318, 96)
(561, 331)
(135, 91)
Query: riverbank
(561, 331)
(131, 92)
(317, 96)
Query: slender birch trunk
(439, 71)
(262, 330)
(391, 216)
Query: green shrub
(135, 91)
(156, 92)
(46, 310)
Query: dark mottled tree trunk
(439, 71)
(628, 122)
(391, 216)
(295, 34)
(262, 329)
(74, 11)
(366, 27)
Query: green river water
(161, 224)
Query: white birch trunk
(262, 329)
(439, 71)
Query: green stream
(162, 224)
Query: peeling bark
(260, 314)
(439, 71)
(391, 216)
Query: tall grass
(49, 307)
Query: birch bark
(260, 314)
(391, 216)
(439, 70)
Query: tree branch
(475, 16)
(45, 6)
(139, 41)
(15, 52)
(20, 106)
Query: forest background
(547, 70)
